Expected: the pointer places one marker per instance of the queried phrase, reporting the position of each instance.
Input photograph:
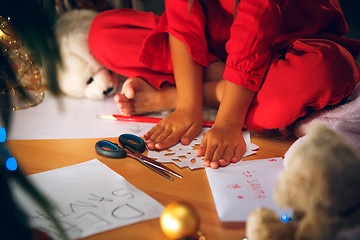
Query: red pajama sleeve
(188, 27)
(257, 24)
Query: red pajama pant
(309, 75)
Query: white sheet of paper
(76, 119)
(91, 198)
(238, 188)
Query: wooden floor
(36, 156)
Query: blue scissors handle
(136, 146)
(110, 149)
(132, 143)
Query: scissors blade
(150, 166)
(157, 164)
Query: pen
(142, 119)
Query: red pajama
(290, 52)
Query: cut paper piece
(90, 198)
(239, 188)
(185, 156)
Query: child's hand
(224, 143)
(221, 145)
(181, 125)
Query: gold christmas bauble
(179, 220)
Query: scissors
(133, 146)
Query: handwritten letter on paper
(91, 198)
(238, 188)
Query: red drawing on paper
(254, 185)
(248, 173)
(234, 186)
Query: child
(264, 68)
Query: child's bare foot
(138, 97)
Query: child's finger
(151, 132)
(190, 134)
(228, 155)
(150, 145)
(150, 136)
(209, 153)
(239, 153)
(200, 152)
(162, 136)
(207, 163)
(214, 164)
(223, 162)
(202, 149)
(155, 134)
(219, 153)
(225, 154)
(171, 140)
(203, 143)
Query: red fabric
(271, 47)
(115, 40)
(328, 73)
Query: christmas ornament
(180, 220)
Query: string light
(10, 162)
(2, 135)
(285, 218)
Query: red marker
(142, 119)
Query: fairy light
(10, 162)
(285, 218)
(2, 134)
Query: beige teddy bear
(321, 183)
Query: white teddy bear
(81, 74)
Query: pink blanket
(344, 118)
